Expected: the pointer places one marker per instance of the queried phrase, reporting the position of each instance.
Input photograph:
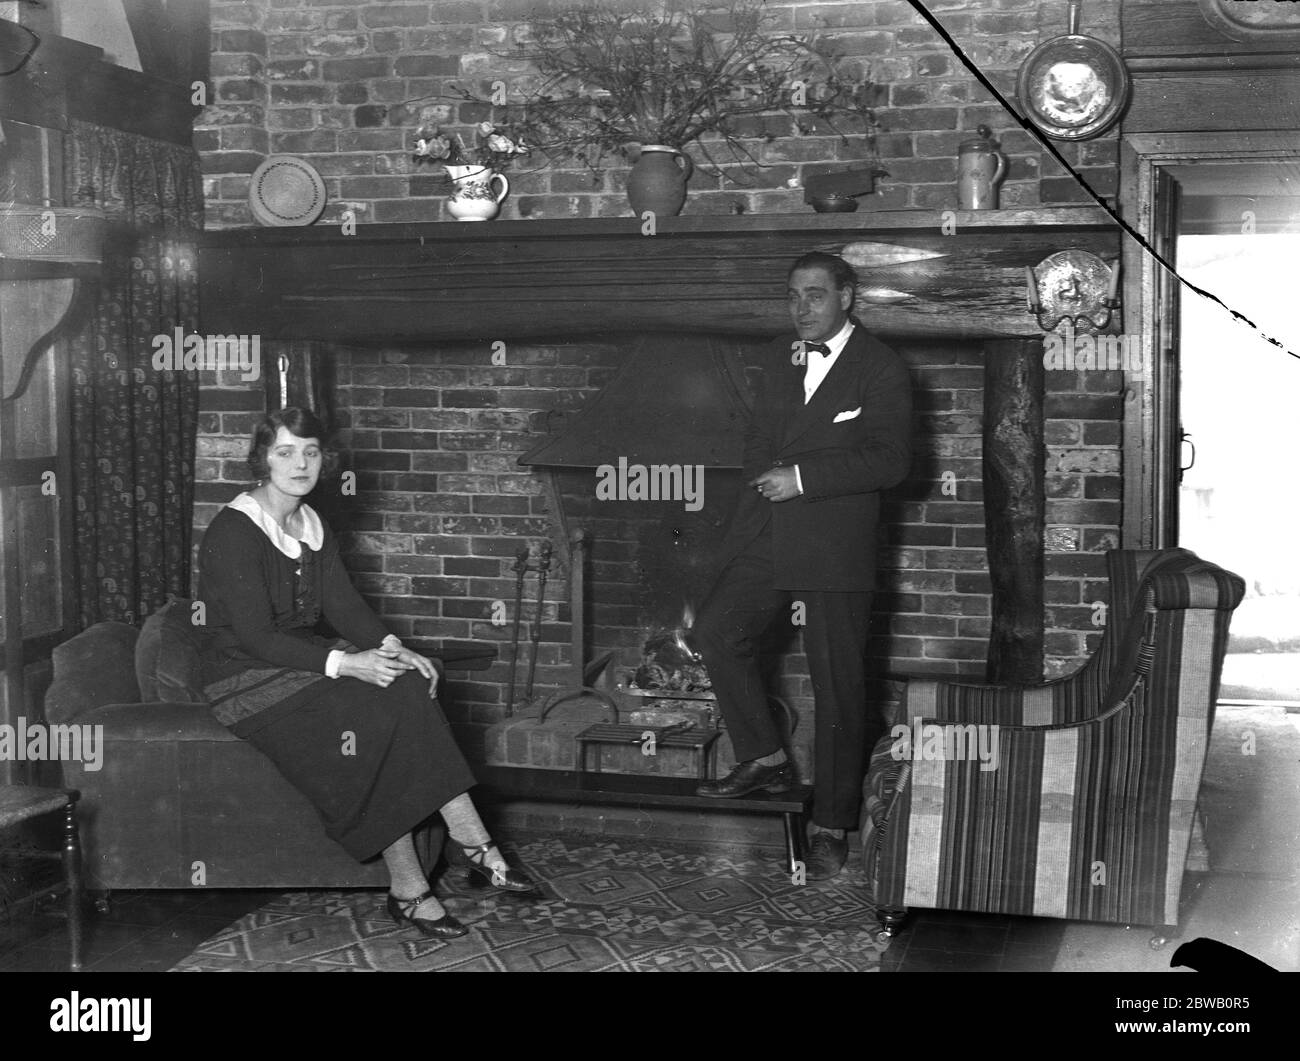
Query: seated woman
(351, 724)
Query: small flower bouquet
(493, 149)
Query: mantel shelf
(547, 279)
(878, 221)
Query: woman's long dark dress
(374, 762)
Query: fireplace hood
(676, 399)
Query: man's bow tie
(820, 348)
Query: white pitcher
(474, 198)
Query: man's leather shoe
(750, 777)
(826, 856)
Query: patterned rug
(605, 905)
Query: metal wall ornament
(1073, 87)
(1073, 285)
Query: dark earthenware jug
(658, 181)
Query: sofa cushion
(95, 668)
(168, 656)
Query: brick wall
(229, 408)
(1085, 412)
(328, 81)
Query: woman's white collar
(313, 532)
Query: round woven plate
(286, 191)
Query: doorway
(1238, 501)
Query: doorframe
(1152, 432)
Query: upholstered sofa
(178, 801)
(1090, 808)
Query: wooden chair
(21, 803)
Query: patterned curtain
(134, 427)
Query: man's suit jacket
(852, 440)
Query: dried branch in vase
(609, 80)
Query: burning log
(668, 664)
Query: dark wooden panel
(173, 42)
(36, 94)
(1176, 27)
(149, 29)
(1196, 102)
(124, 99)
(26, 269)
(1014, 506)
(194, 22)
(536, 279)
(65, 79)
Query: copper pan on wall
(1073, 87)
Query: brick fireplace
(443, 505)
(434, 430)
(648, 468)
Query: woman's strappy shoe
(403, 910)
(481, 874)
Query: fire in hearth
(669, 665)
(672, 681)
(675, 687)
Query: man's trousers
(727, 630)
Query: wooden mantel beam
(924, 273)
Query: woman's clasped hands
(384, 665)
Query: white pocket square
(848, 414)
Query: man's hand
(378, 666)
(777, 484)
(423, 665)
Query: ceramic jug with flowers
(478, 186)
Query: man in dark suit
(830, 429)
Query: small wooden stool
(20, 803)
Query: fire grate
(701, 742)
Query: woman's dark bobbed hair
(302, 423)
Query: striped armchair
(1074, 798)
